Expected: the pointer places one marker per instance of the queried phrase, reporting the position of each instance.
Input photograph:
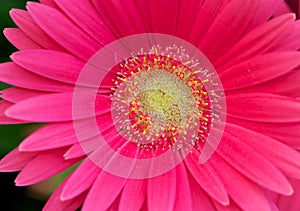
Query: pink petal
(253, 165)
(263, 107)
(16, 160)
(231, 207)
(133, 195)
(162, 15)
(283, 8)
(25, 22)
(80, 180)
(219, 36)
(259, 69)
(50, 3)
(143, 11)
(207, 14)
(130, 23)
(284, 85)
(62, 134)
(187, 14)
(96, 28)
(291, 41)
(50, 64)
(162, 191)
(51, 136)
(58, 107)
(264, 12)
(44, 166)
(208, 179)
(15, 95)
(4, 105)
(183, 200)
(77, 151)
(257, 41)
(290, 164)
(244, 192)
(13, 74)
(65, 33)
(55, 203)
(200, 199)
(290, 203)
(105, 190)
(288, 133)
(19, 39)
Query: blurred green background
(13, 198)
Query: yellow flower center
(159, 100)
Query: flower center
(166, 102)
(158, 101)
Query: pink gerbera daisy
(123, 87)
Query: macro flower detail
(161, 105)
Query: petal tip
(24, 148)
(65, 197)
(19, 182)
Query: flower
(288, 203)
(254, 54)
(294, 5)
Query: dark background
(13, 198)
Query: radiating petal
(54, 202)
(41, 167)
(263, 107)
(259, 69)
(291, 41)
(284, 85)
(51, 136)
(4, 105)
(15, 95)
(16, 160)
(162, 15)
(133, 195)
(25, 22)
(129, 24)
(257, 41)
(183, 200)
(283, 8)
(165, 185)
(54, 108)
(208, 179)
(200, 199)
(73, 39)
(219, 36)
(50, 64)
(288, 133)
(142, 8)
(206, 15)
(90, 21)
(13, 74)
(77, 150)
(290, 203)
(272, 149)
(50, 3)
(231, 207)
(19, 39)
(244, 192)
(105, 190)
(80, 180)
(253, 165)
(264, 12)
(188, 12)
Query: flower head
(169, 105)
